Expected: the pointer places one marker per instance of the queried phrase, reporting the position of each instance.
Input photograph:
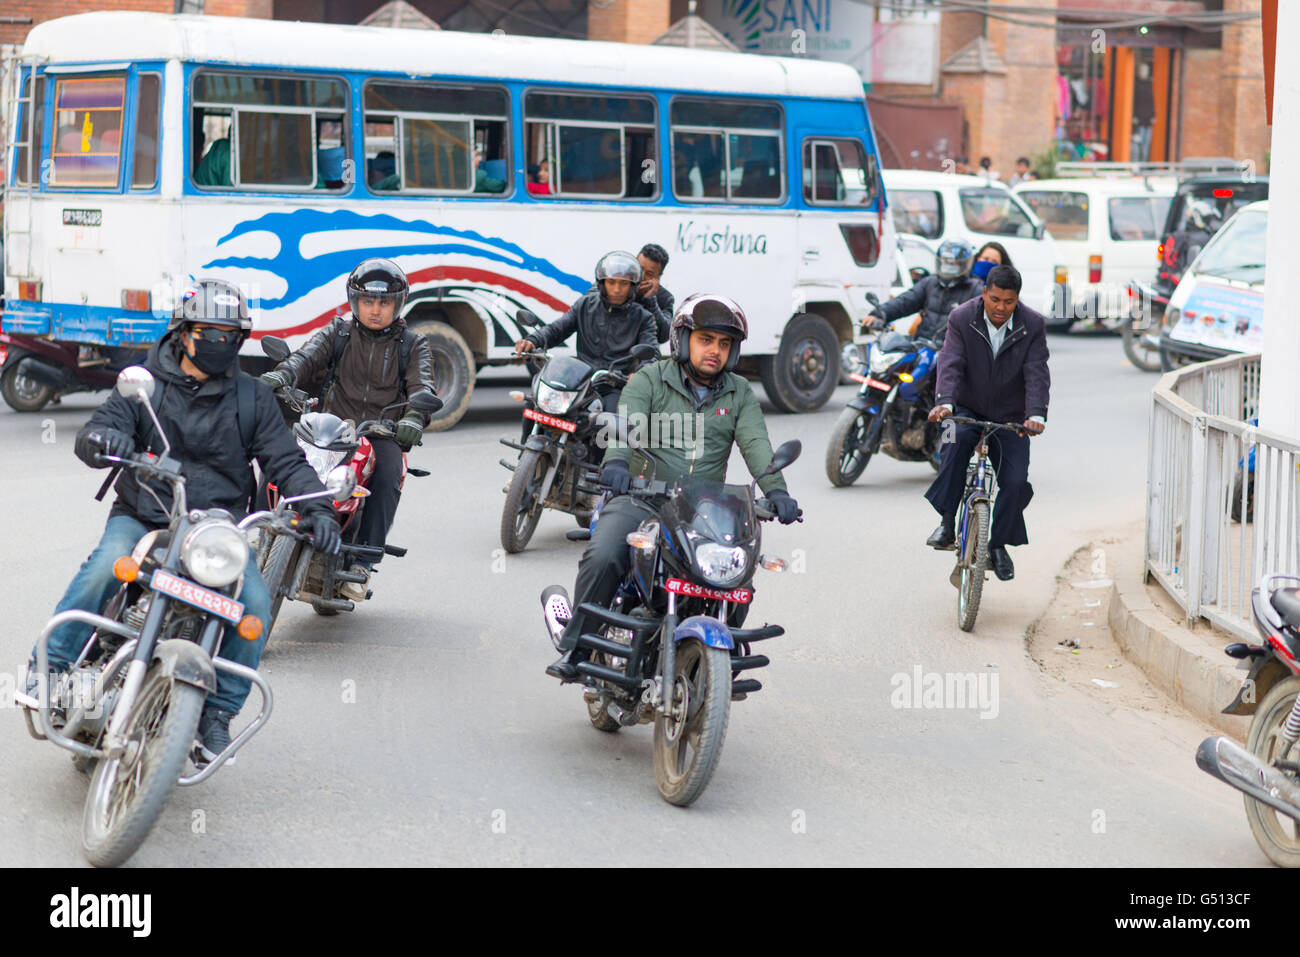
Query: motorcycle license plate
(196, 595)
(550, 420)
(691, 590)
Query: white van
(1218, 307)
(1107, 231)
(939, 206)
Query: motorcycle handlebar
(297, 399)
(1016, 427)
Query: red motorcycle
(290, 567)
(35, 371)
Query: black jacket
(202, 423)
(934, 300)
(1010, 388)
(605, 334)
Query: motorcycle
(35, 371)
(889, 413)
(671, 648)
(560, 451)
(1140, 330)
(129, 707)
(290, 566)
(1267, 770)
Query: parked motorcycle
(290, 566)
(560, 450)
(671, 648)
(889, 413)
(129, 707)
(35, 371)
(1267, 770)
(1140, 331)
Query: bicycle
(973, 522)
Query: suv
(1201, 205)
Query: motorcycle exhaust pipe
(1238, 768)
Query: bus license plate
(550, 420)
(691, 590)
(196, 595)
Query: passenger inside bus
(329, 168)
(484, 179)
(214, 167)
(382, 169)
(539, 178)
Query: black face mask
(214, 358)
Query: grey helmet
(213, 302)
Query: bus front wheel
(806, 368)
(453, 371)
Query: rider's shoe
(356, 591)
(566, 668)
(213, 736)
(30, 696)
(943, 537)
(1002, 566)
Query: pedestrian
(1021, 174)
(986, 166)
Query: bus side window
(144, 157)
(88, 142)
(31, 127)
(837, 172)
(591, 146)
(727, 150)
(212, 149)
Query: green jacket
(662, 414)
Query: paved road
(458, 750)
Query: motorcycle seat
(1287, 603)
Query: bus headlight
(215, 553)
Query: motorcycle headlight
(215, 553)
(322, 460)
(882, 361)
(553, 400)
(721, 566)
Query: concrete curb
(1184, 665)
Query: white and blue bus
(146, 149)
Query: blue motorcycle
(890, 412)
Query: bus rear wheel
(806, 368)
(453, 372)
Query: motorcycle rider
(369, 361)
(217, 420)
(936, 295)
(608, 321)
(696, 383)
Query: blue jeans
(94, 585)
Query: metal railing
(1223, 497)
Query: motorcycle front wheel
(276, 572)
(846, 453)
(688, 740)
(975, 562)
(522, 510)
(1141, 350)
(1277, 835)
(127, 792)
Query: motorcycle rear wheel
(1277, 835)
(974, 564)
(688, 742)
(128, 792)
(523, 508)
(846, 459)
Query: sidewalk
(1186, 664)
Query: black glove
(91, 445)
(616, 477)
(276, 379)
(325, 536)
(787, 509)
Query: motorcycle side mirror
(341, 483)
(918, 273)
(873, 299)
(134, 380)
(643, 352)
(526, 317)
(785, 454)
(425, 401)
(275, 347)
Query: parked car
(1106, 231)
(1218, 307)
(1199, 209)
(939, 206)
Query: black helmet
(213, 302)
(953, 260)
(704, 310)
(378, 279)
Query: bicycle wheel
(975, 562)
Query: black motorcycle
(671, 648)
(890, 412)
(560, 451)
(1267, 770)
(129, 707)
